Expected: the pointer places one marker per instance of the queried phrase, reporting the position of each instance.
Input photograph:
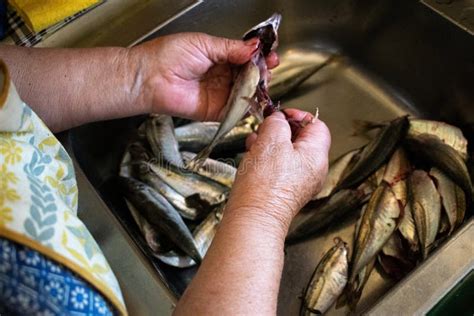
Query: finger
(223, 50)
(250, 140)
(314, 138)
(298, 115)
(272, 60)
(274, 128)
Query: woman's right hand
(278, 176)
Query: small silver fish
(144, 174)
(452, 197)
(432, 150)
(378, 221)
(216, 170)
(376, 152)
(335, 207)
(426, 207)
(195, 136)
(407, 228)
(446, 133)
(160, 214)
(203, 236)
(192, 186)
(244, 91)
(159, 130)
(328, 280)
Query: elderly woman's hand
(277, 176)
(190, 74)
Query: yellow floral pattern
(61, 187)
(7, 176)
(10, 150)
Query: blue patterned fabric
(31, 284)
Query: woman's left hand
(190, 74)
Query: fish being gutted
(249, 88)
(328, 281)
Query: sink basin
(400, 58)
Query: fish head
(267, 32)
(138, 151)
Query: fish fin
(350, 296)
(255, 109)
(198, 160)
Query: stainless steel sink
(400, 58)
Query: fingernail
(279, 114)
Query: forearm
(241, 272)
(69, 87)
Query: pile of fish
(177, 210)
(412, 188)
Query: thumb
(223, 50)
(274, 129)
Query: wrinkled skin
(197, 72)
(279, 176)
